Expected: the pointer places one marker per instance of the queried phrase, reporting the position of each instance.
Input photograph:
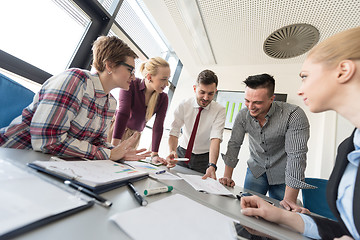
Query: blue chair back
(13, 99)
(315, 199)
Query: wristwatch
(213, 165)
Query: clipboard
(24, 206)
(99, 176)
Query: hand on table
(292, 206)
(170, 162)
(157, 159)
(257, 207)
(227, 181)
(210, 172)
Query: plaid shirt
(69, 116)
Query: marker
(137, 195)
(157, 190)
(160, 172)
(102, 201)
(181, 159)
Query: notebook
(98, 175)
(28, 202)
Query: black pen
(99, 199)
(137, 195)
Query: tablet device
(242, 232)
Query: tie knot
(200, 109)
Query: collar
(354, 156)
(99, 90)
(271, 110)
(196, 105)
(269, 113)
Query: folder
(28, 202)
(98, 175)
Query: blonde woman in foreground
(330, 81)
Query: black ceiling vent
(291, 41)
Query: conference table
(95, 223)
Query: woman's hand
(125, 151)
(134, 155)
(257, 207)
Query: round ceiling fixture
(291, 41)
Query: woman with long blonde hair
(147, 98)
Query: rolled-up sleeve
(217, 129)
(178, 121)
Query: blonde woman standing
(147, 98)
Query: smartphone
(244, 232)
(244, 194)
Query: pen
(160, 172)
(99, 199)
(137, 195)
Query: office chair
(13, 99)
(315, 199)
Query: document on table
(181, 218)
(208, 185)
(97, 175)
(152, 170)
(28, 201)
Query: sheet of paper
(152, 170)
(208, 185)
(23, 199)
(179, 218)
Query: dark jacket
(329, 229)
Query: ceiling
(237, 29)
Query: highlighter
(157, 190)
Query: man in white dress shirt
(209, 133)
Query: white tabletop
(94, 223)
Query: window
(41, 32)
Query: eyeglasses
(130, 68)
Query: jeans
(261, 185)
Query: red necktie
(192, 137)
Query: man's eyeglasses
(130, 68)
